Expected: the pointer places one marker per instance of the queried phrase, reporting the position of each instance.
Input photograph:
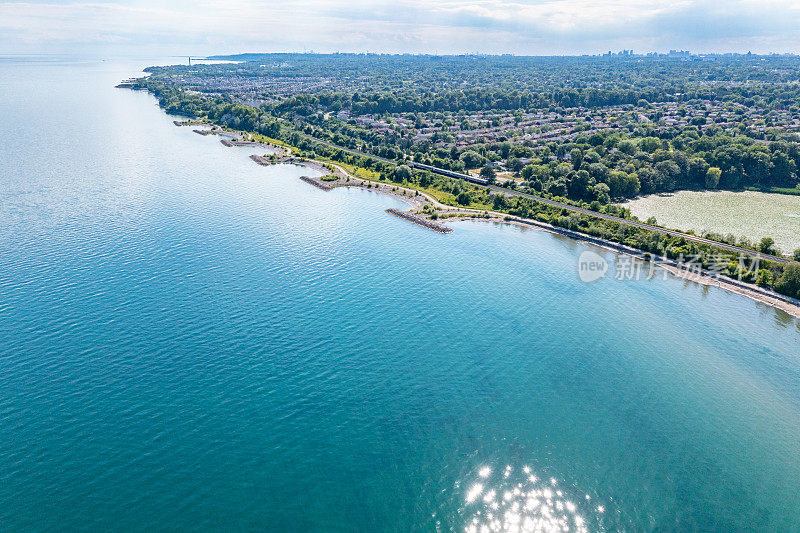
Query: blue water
(191, 341)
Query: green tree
(592, 157)
(463, 198)
(557, 187)
(698, 169)
(528, 171)
(757, 166)
(788, 282)
(764, 278)
(767, 246)
(601, 192)
(783, 169)
(576, 157)
(623, 185)
(472, 159)
(579, 184)
(650, 144)
(713, 176)
(402, 173)
(514, 164)
(667, 174)
(627, 147)
(488, 174)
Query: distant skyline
(560, 27)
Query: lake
(191, 341)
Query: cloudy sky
(203, 27)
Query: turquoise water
(191, 341)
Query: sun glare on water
(518, 501)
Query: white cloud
(536, 27)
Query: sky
(535, 27)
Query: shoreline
(420, 209)
(754, 292)
(786, 304)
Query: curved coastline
(421, 203)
